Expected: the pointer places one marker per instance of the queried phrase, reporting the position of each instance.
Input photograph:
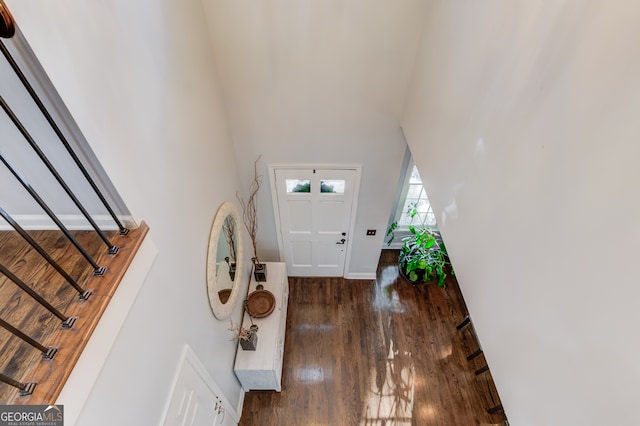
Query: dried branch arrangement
(229, 231)
(242, 333)
(249, 209)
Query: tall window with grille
(412, 195)
(416, 197)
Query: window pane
(418, 219)
(298, 185)
(414, 191)
(431, 218)
(422, 205)
(332, 186)
(415, 176)
(405, 218)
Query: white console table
(262, 369)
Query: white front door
(314, 208)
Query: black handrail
(7, 26)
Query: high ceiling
(321, 64)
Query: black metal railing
(29, 140)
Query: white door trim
(336, 166)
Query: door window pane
(298, 185)
(332, 186)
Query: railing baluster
(67, 322)
(25, 388)
(97, 270)
(84, 294)
(63, 139)
(47, 353)
(41, 294)
(113, 249)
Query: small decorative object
(248, 337)
(232, 268)
(259, 270)
(251, 342)
(260, 303)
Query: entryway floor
(376, 352)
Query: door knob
(341, 241)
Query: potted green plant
(423, 256)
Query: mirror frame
(219, 309)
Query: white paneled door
(195, 399)
(314, 207)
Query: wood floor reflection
(383, 352)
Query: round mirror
(225, 260)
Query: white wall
(523, 120)
(324, 82)
(140, 81)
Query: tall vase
(251, 343)
(259, 271)
(232, 268)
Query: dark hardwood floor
(383, 352)
(22, 311)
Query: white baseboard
(240, 403)
(396, 244)
(361, 276)
(42, 222)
